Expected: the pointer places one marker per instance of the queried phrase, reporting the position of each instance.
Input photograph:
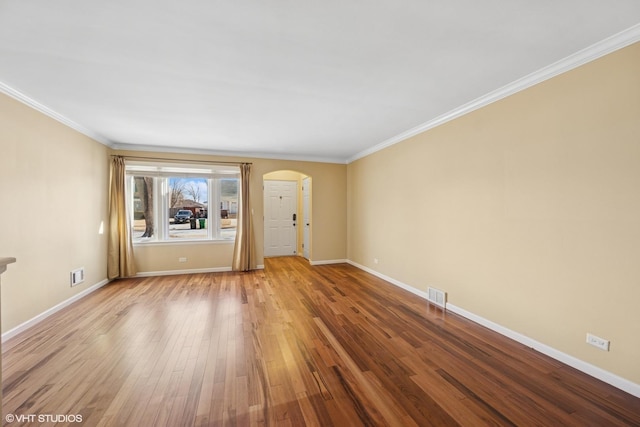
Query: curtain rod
(182, 160)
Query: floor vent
(437, 297)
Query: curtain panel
(120, 261)
(244, 258)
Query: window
(178, 203)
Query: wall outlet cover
(595, 341)
(77, 276)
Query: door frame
(290, 175)
(305, 220)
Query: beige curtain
(244, 258)
(120, 251)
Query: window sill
(185, 242)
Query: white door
(280, 209)
(306, 216)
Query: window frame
(161, 173)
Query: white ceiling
(328, 80)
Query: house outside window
(182, 202)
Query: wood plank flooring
(292, 345)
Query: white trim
(589, 369)
(243, 154)
(595, 51)
(27, 100)
(328, 261)
(142, 244)
(591, 53)
(42, 316)
(399, 284)
(19, 96)
(190, 271)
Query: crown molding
(208, 152)
(595, 51)
(19, 96)
(27, 100)
(591, 53)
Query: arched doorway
(287, 214)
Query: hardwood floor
(291, 345)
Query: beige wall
(53, 185)
(329, 211)
(527, 212)
(283, 175)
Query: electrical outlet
(77, 276)
(375, 260)
(182, 259)
(595, 341)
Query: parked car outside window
(182, 216)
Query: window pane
(228, 207)
(183, 203)
(188, 208)
(143, 221)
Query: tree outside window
(182, 203)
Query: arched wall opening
(287, 223)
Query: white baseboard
(399, 284)
(175, 272)
(328, 261)
(42, 316)
(190, 271)
(589, 369)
